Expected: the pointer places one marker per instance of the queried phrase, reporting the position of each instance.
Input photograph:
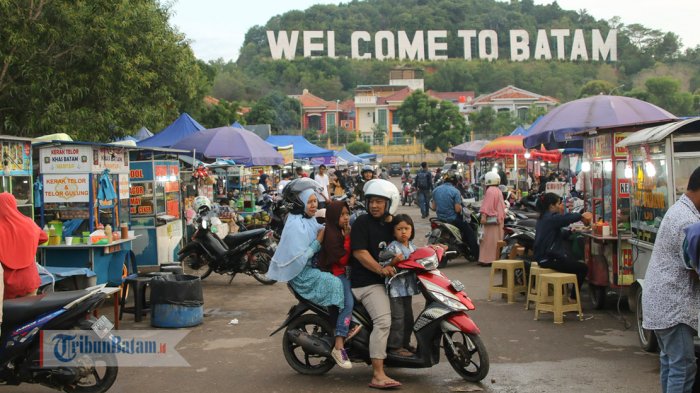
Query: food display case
(607, 253)
(155, 206)
(16, 171)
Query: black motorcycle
(248, 252)
(442, 232)
(24, 321)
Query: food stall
(661, 160)
(16, 171)
(155, 205)
(84, 186)
(606, 251)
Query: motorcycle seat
(236, 239)
(16, 311)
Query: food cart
(84, 185)
(155, 205)
(661, 160)
(606, 250)
(16, 171)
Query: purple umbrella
(467, 151)
(556, 128)
(240, 145)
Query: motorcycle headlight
(429, 263)
(448, 301)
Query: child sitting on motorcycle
(334, 257)
(401, 288)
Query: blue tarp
(367, 156)
(142, 134)
(181, 128)
(302, 147)
(519, 131)
(348, 157)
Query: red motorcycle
(444, 322)
(408, 192)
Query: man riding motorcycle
(367, 174)
(447, 203)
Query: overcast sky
(217, 27)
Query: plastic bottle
(108, 233)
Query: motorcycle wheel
(471, 361)
(262, 258)
(297, 358)
(202, 272)
(647, 338)
(98, 377)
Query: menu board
(113, 158)
(16, 158)
(65, 159)
(123, 186)
(66, 188)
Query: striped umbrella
(512, 145)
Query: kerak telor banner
(432, 45)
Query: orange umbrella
(512, 145)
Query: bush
(359, 147)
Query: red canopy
(511, 145)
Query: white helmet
(200, 203)
(492, 179)
(385, 189)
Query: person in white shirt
(324, 181)
(286, 178)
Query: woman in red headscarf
(19, 239)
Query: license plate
(457, 285)
(102, 326)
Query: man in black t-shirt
(368, 275)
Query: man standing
(367, 279)
(424, 186)
(447, 202)
(322, 179)
(671, 297)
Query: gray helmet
(367, 168)
(290, 193)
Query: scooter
(23, 324)
(445, 233)
(248, 252)
(407, 193)
(444, 322)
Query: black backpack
(422, 180)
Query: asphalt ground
(599, 354)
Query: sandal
(402, 352)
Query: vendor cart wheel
(597, 295)
(647, 338)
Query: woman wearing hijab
(292, 262)
(19, 239)
(492, 218)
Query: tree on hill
(96, 70)
(438, 125)
(596, 87)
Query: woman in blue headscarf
(301, 239)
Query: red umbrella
(512, 145)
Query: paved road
(596, 355)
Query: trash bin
(177, 301)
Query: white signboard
(546, 44)
(66, 159)
(114, 159)
(66, 188)
(123, 186)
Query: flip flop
(386, 385)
